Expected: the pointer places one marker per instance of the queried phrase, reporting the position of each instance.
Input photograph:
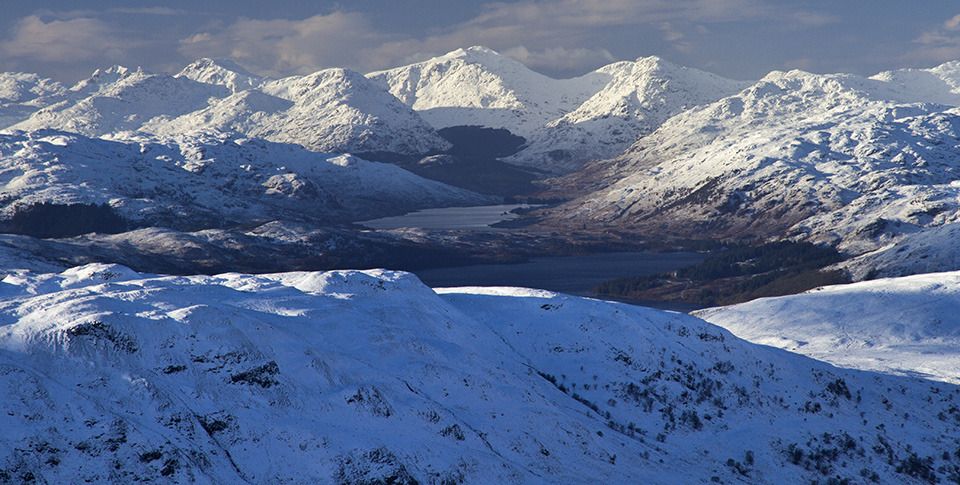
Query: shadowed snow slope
(565, 121)
(209, 180)
(902, 325)
(828, 158)
(363, 377)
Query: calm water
(576, 275)
(568, 274)
(447, 218)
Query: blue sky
(737, 38)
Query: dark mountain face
(46, 220)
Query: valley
(462, 270)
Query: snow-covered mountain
(362, 377)
(902, 325)
(120, 99)
(638, 96)
(21, 94)
(209, 180)
(565, 121)
(831, 158)
(333, 110)
(478, 86)
(221, 72)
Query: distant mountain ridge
(566, 121)
(840, 159)
(209, 180)
(333, 110)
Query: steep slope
(22, 93)
(900, 325)
(637, 98)
(566, 121)
(832, 158)
(208, 180)
(331, 110)
(940, 84)
(221, 72)
(478, 86)
(360, 377)
(123, 100)
(928, 250)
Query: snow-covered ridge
(902, 325)
(209, 180)
(478, 86)
(369, 376)
(333, 110)
(637, 98)
(222, 72)
(566, 121)
(21, 94)
(830, 158)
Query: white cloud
(952, 23)
(554, 36)
(285, 46)
(939, 44)
(558, 36)
(157, 10)
(68, 41)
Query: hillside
(897, 325)
(836, 159)
(209, 180)
(566, 122)
(333, 110)
(359, 377)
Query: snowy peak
(222, 72)
(20, 87)
(832, 158)
(21, 94)
(565, 121)
(940, 84)
(636, 98)
(122, 100)
(333, 83)
(478, 86)
(334, 110)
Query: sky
(741, 39)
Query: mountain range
(865, 164)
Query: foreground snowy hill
(566, 121)
(208, 180)
(333, 110)
(362, 377)
(829, 158)
(902, 325)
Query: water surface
(449, 218)
(577, 275)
